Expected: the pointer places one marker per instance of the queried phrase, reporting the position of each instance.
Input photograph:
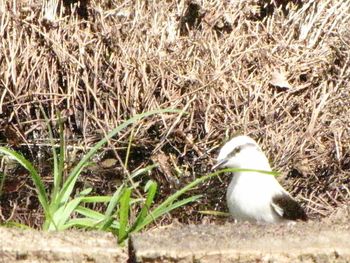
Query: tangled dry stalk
(278, 72)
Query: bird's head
(242, 152)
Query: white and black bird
(255, 196)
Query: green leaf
(68, 187)
(2, 182)
(80, 222)
(57, 174)
(62, 152)
(143, 170)
(108, 219)
(62, 215)
(16, 225)
(124, 214)
(214, 213)
(96, 199)
(99, 218)
(114, 200)
(151, 188)
(85, 191)
(151, 217)
(73, 175)
(89, 213)
(40, 188)
(128, 149)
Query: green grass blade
(173, 206)
(16, 225)
(96, 199)
(85, 192)
(91, 223)
(62, 215)
(143, 170)
(89, 212)
(98, 217)
(2, 182)
(40, 188)
(67, 187)
(152, 216)
(108, 219)
(80, 222)
(128, 149)
(124, 214)
(61, 158)
(56, 173)
(114, 201)
(151, 192)
(214, 213)
(182, 202)
(185, 189)
(107, 224)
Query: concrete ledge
(69, 246)
(326, 241)
(302, 242)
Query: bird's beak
(219, 164)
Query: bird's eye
(235, 151)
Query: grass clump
(60, 206)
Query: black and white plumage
(254, 196)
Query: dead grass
(214, 58)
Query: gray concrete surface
(302, 242)
(325, 241)
(70, 246)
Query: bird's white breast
(249, 197)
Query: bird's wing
(286, 207)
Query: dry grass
(214, 58)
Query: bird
(252, 195)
